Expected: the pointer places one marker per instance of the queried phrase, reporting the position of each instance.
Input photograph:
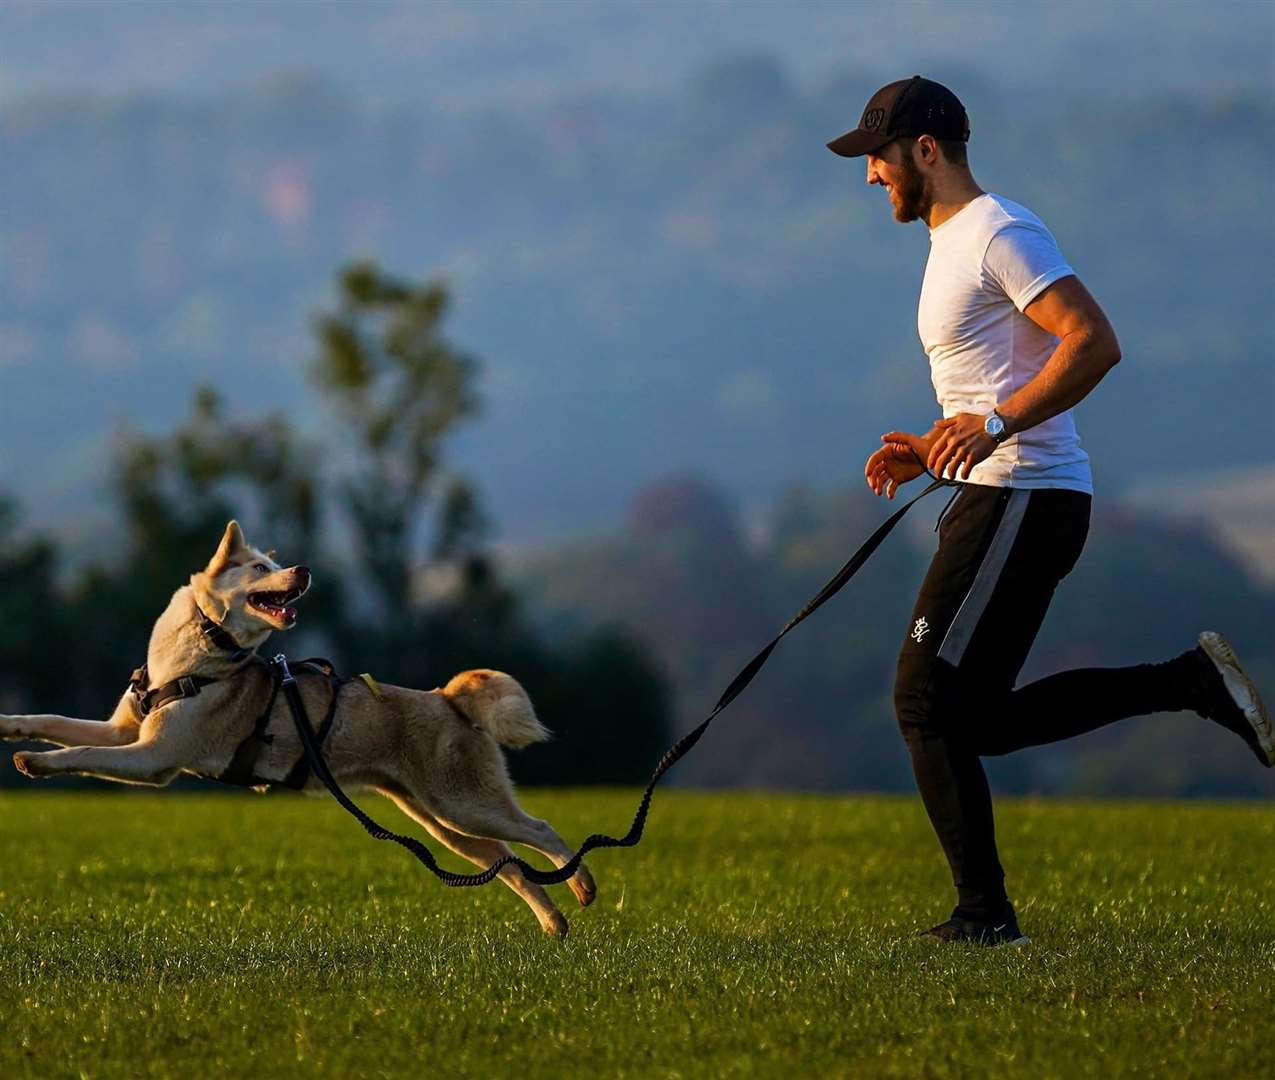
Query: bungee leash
(675, 753)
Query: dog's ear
(208, 599)
(232, 542)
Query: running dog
(435, 753)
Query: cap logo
(872, 120)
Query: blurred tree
(602, 697)
(32, 616)
(177, 491)
(397, 389)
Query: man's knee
(928, 698)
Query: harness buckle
(281, 662)
(187, 686)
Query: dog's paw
(27, 764)
(9, 728)
(556, 925)
(583, 886)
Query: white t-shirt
(986, 264)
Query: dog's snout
(303, 572)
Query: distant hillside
(1238, 504)
(660, 280)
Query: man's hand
(959, 444)
(897, 462)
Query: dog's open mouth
(276, 605)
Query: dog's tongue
(290, 613)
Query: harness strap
(683, 746)
(300, 772)
(156, 698)
(240, 770)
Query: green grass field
(748, 935)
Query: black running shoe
(1230, 698)
(992, 934)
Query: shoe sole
(1242, 691)
(1011, 943)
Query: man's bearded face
(909, 191)
(910, 195)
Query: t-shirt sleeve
(1024, 261)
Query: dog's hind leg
(504, 819)
(482, 852)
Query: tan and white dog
(434, 753)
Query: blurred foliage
(407, 591)
(396, 389)
(29, 659)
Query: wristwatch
(994, 425)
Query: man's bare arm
(1087, 349)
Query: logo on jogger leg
(920, 629)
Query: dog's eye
(262, 568)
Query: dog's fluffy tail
(498, 705)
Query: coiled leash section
(676, 752)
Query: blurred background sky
(464, 56)
(668, 282)
(651, 251)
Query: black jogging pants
(1002, 553)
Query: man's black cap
(914, 106)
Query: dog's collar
(219, 637)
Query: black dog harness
(240, 770)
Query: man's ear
(232, 542)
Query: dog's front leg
(138, 763)
(120, 730)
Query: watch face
(994, 426)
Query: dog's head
(246, 591)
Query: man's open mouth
(275, 605)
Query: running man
(1014, 341)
